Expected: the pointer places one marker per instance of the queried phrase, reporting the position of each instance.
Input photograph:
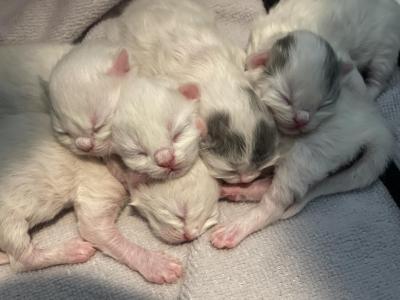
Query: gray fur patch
(222, 140)
(280, 54)
(331, 72)
(264, 137)
(255, 101)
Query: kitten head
(300, 80)
(84, 89)
(156, 130)
(180, 209)
(240, 145)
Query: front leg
(97, 209)
(103, 233)
(249, 192)
(269, 210)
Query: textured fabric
(389, 103)
(44, 20)
(340, 247)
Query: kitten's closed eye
(61, 131)
(176, 137)
(326, 104)
(286, 99)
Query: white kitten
(40, 178)
(154, 127)
(181, 209)
(179, 39)
(84, 90)
(356, 128)
(303, 71)
(22, 67)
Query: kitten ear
(257, 60)
(120, 64)
(201, 126)
(190, 91)
(45, 86)
(345, 68)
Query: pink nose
(188, 237)
(165, 158)
(301, 119)
(84, 143)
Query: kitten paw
(78, 251)
(232, 193)
(227, 236)
(158, 267)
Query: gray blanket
(340, 247)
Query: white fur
(39, 178)
(181, 209)
(364, 31)
(22, 68)
(179, 39)
(84, 96)
(357, 124)
(153, 115)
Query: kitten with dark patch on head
(356, 137)
(186, 46)
(302, 51)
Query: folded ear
(345, 68)
(201, 126)
(257, 60)
(45, 86)
(190, 91)
(120, 64)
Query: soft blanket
(340, 247)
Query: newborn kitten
(22, 67)
(39, 178)
(356, 128)
(301, 103)
(84, 90)
(302, 73)
(181, 209)
(186, 47)
(154, 127)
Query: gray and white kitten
(305, 172)
(185, 46)
(22, 70)
(307, 47)
(40, 178)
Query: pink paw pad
(78, 251)
(226, 237)
(231, 193)
(161, 268)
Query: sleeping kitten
(301, 103)
(181, 209)
(154, 127)
(40, 178)
(102, 106)
(84, 90)
(22, 67)
(296, 43)
(356, 128)
(186, 47)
